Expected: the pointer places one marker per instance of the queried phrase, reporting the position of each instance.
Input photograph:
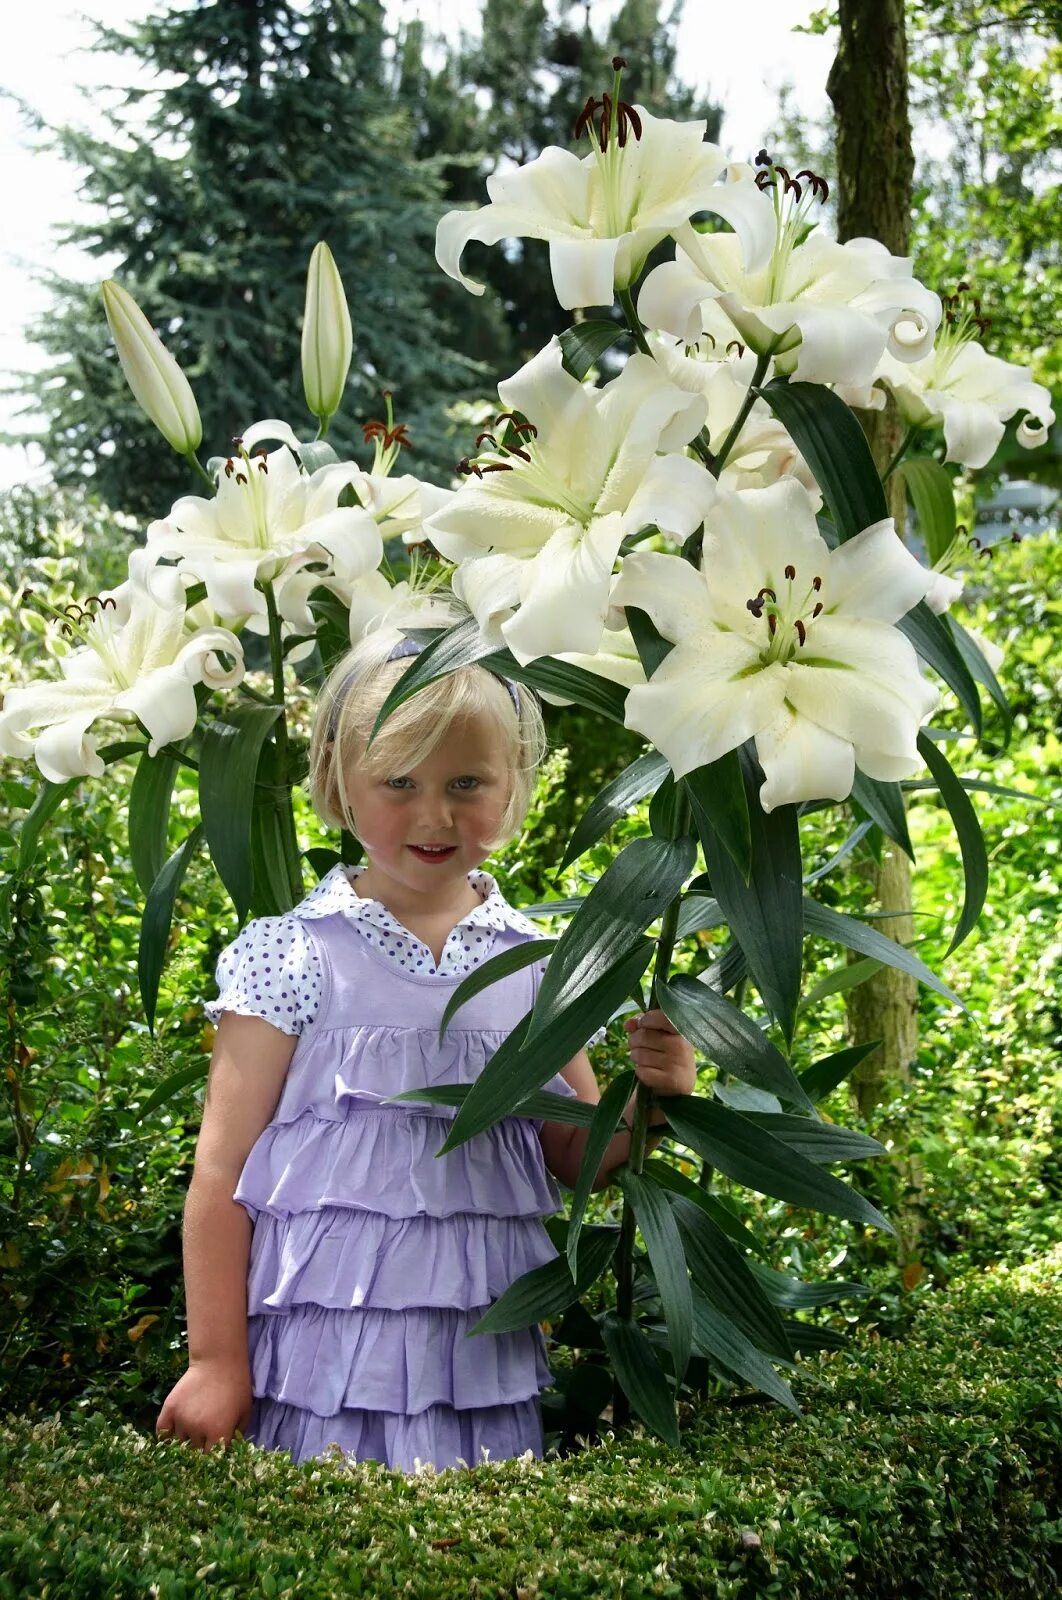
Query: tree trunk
(875, 168)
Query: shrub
(921, 1472)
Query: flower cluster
(776, 637)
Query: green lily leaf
(640, 1376)
(656, 1221)
(607, 1114)
(517, 1068)
(736, 1145)
(835, 448)
(642, 777)
(729, 1038)
(968, 831)
(635, 890)
(543, 1293)
(157, 920)
(228, 767)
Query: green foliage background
(93, 1182)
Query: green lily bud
(160, 387)
(327, 339)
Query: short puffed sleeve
(270, 970)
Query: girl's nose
(436, 812)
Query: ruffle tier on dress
(371, 1259)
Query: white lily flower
(781, 640)
(136, 662)
(601, 214)
(824, 311)
(763, 451)
(966, 391)
(538, 527)
(159, 386)
(267, 520)
(327, 336)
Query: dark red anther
(802, 633)
(790, 572)
(632, 117)
(816, 584)
(514, 450)
(735, 344)
(764, 179)
(481, 436)
(526, 427)
(262, 464)
(793, 184)
(229, 468)
(817, 611)
(771, 592)
(772, 623)
(585, 117)
(784, 175)
(241, 477)
(603, 125)
(499, 466)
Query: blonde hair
(349, 704)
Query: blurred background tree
(986, 115)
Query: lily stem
(197, 466)
(762, 363)
(280, 738)
(905, 445)
(635, 326)
(644, 1102)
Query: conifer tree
(276, 125)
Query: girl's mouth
(433, 853)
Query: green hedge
(924, 1469)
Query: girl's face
(423, 830)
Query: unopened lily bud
(327, 339)
(158, 384)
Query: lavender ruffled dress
(370, 1258)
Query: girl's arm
(247, 1072)
(662, 1058)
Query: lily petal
(704, 700)
(802, 761)
(875, 575)
(564, 592)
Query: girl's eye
(466, 783)
(397, 783)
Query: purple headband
(410, 647)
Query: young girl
(333, 1265)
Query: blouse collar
(335, 894)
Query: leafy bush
(925, 1472)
